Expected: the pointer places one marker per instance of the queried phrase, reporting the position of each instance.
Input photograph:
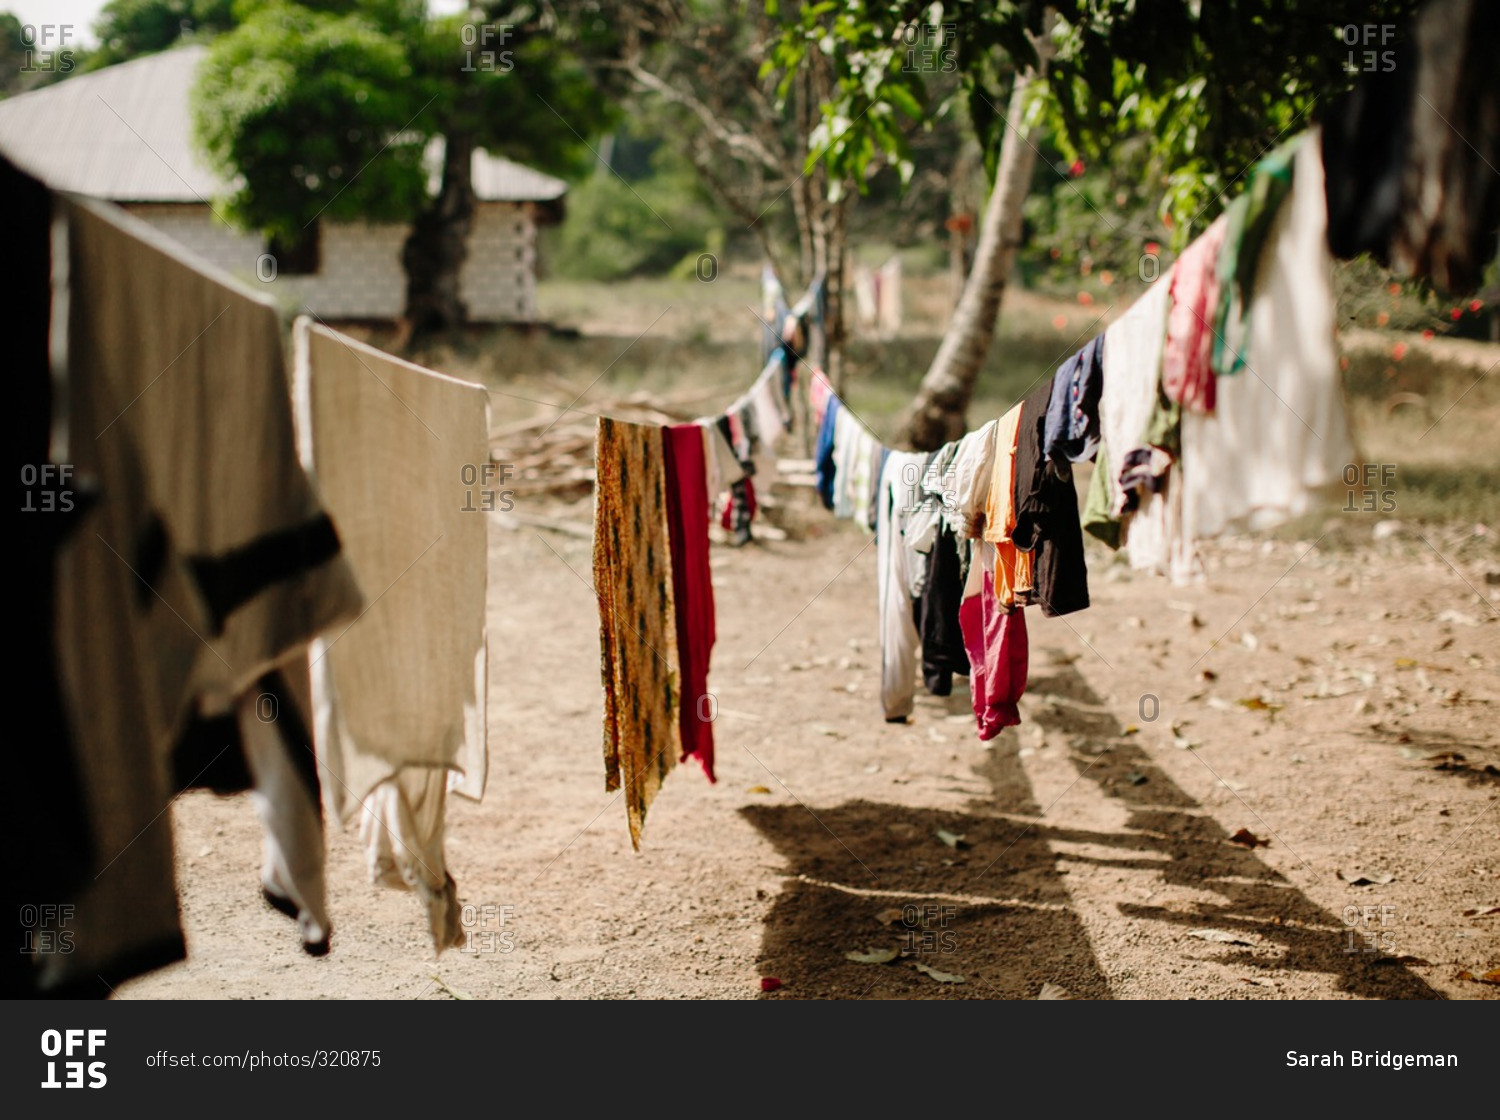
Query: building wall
(360, 274)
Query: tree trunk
(938, 414)
(434, 253)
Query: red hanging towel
(996, 642)
(692, 588)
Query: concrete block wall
(360, 274)
(498, 280)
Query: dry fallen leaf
(1055, 991)
(758, 789)
(952, 839)
(940, 977)
(1482, 912)
(1367, 878)
(769, 983)
(1406, 663)
(873, 956)
(1256, 704)
(1222, 936)
(1248, 839)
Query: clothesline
(1213, 402)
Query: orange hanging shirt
(1012, 565)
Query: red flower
(1085, 299)
(1076, 169)
(1456, 314)
(1394, 289)
(1153, 248)
(1475, 304)
(1429, 334)
(1398, 351)
(1059, 321)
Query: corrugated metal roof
(124, 133)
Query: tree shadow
(868, 876)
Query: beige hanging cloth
(401, 457)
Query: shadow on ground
(865, 876)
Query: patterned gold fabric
(637, 629)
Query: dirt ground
(1340, 705)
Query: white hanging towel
(401, 457)
(1279, 433)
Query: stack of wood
(552, 453)
(547, 460)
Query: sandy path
(1093, 851)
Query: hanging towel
(637, 616)
(1280, 432)
(1248, 225)
(193, 368)
(1072, 406)
(1012, 568)
(1187, 374)
(692, 589)
(898, 628)
(824, 451)
(199, 366)
(1046, 516)
(997, 647)
(125, 646)
(847, 442)
(973, 466)
(1132, 372)
(404, 687)
(941, 633)
(723, 467)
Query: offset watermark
(267, 707)
(706, 269)
(484, 481)
(47, 50)
(44, 929)
(929, 928)
(929, 48)
(1370, 929)
(1365, 41)
(485, 48)
(913, 476)
(487, 928)
(706, 708)
(46, 487)
(1369, 488)
(1148, 267)
(75, 1045)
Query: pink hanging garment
(998, 654)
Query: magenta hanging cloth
(692, 588)
(998, 653)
